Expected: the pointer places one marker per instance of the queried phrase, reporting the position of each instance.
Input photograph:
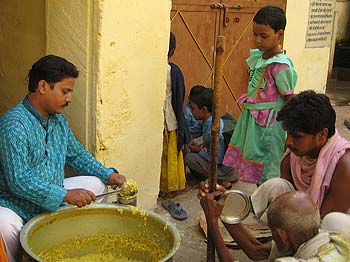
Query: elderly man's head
(293, 219)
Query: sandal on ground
(175, 210)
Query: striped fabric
(33, 153)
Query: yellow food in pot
(106, 248)
(129, 189)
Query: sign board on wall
(320, 24)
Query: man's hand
(79, 197)
(116, 180)
(204, 188)
(212, 208)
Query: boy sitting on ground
(197, 160)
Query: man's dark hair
(308, 112)
(172, 45)
(195, 91)
(272, 16)
(204, 98)
(52, 69)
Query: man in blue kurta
(36, 143)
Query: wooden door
(196, 23)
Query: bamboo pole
(215, 130)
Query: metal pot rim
(68, 208)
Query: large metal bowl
(49, 230)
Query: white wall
(311, 63)
(120, 49)
(131, 88)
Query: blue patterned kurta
(33, 153)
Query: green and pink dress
(257, 143)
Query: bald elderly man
(294, 220)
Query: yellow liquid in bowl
(106, 248)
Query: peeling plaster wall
(311, 63)
(131, 89)
(22, 42)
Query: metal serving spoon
(129, 187)
(115, 191)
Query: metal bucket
(50, 230)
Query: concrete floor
(193, 246)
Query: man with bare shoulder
(317, 161)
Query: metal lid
(237, 207)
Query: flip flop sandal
(175, 210)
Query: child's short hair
(204, 98)
(172, 45)
(272, 16)
(195, 91)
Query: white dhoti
(11, 224)
(266, 193)
(338, 222)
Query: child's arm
(195, 148)
(285, 79)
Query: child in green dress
(257, 143)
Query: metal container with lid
(127, 200)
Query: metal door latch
(226, 8)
